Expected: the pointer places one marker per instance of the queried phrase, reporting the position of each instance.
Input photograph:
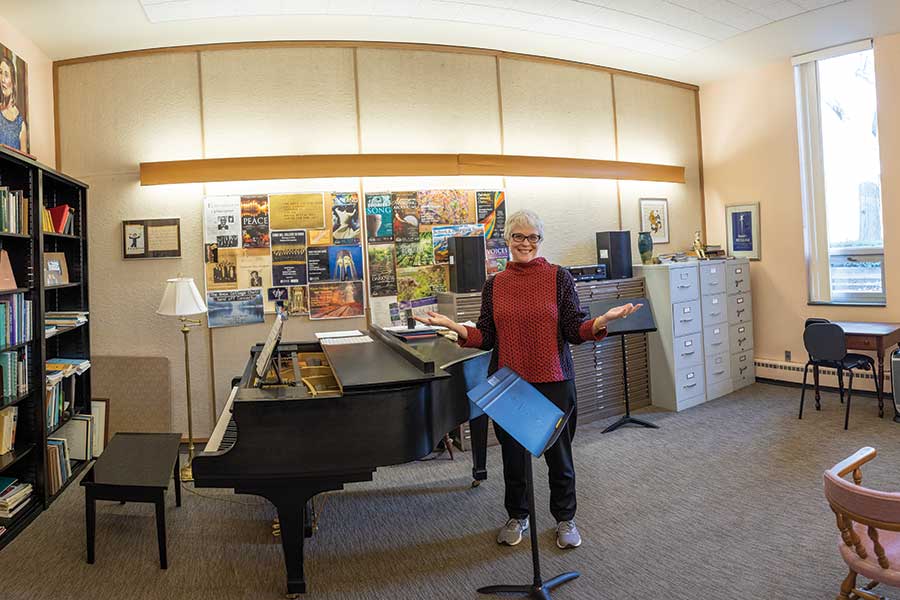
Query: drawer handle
(689, 353)
(690, 385)
(739, 311)
(687, 320)
(719, 372)
(713, 282)
(743, 369)
(741, 341)
(685, 286)
(719, 343)
(715, 314)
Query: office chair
(827, 347)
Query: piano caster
(475, 483)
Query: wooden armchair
(869, 522)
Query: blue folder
(522, 411)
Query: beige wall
(300, 100)
(40, 91)
(750, 154)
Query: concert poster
(254, 222)
(336, 300)
(235, 307)
(491, 208)
(382, 270)
(297, 211)
(379, 218)
(222, 221)
(440, 235)
(443, 207)
(414, 283)
(345, 218)
(289, 254)
(406, 216)
(416, 254)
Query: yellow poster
(322, 236)
(296, 211)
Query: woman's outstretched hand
(618, 312)
(438, 320)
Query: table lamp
(180, 299)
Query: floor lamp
(181, 299)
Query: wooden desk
(874, 337)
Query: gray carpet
(724, 501)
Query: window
(837, 121)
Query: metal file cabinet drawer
(688, 351)
(715, 309)
(712, 279)
(741, 337)
(684, 284)
(718, 368)
(686, 318)
(689, 383)
(738, 276)
(715, 339)
(740, 308)
(743, 371)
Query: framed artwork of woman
(13, 101)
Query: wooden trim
(500, 104)
(369, 45)
(58, 158)
(200, 104)
(700, 169)
(398, 165)
(615, 116)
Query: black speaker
(467, 270)
(614, 251)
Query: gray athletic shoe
(511, 533)
(567, 535)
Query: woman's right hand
(436, 319)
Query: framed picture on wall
(15, 132)
(742, 223)
(655, 218)
(152, 238)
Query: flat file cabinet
(703, 346)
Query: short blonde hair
(520, 218)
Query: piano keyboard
(225, 434)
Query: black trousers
(558, 457)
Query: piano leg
(478, 429)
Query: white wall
(291, 100)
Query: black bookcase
(44, 187)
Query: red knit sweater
(529, 315)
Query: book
(55, 270)
(8, 423)
(59, 216)
(7, 278)
(6, 483)
(9, 514)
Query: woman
(13, 132)
(529, 316)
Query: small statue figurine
(698, 247)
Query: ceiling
(689, 40)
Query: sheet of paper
(363, 339)
(338, 334)
(162, 238)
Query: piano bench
(134, 467)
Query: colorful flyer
(496, 255)
(416, 254)
(235, 307)
(406, 216)
(443, 207)
(345, 218)
(298, 301)
(382, 270)
(414, 283)
(289, 257)
(379, 218)
(339, 300)
(491, 208)
(254, 221)
(440, 235)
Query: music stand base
(538, 592)
(628, 419)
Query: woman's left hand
(619, 312)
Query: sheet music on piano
(265, 357)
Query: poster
(655, 218)
(379, 218)
(317, 264)
(222, 274)
(742, 229)
(254, 270)
(496, 255)
(345, 218)
(443, 207)
(414, 283)
(297, 211)
(289, 257)
(335, 263)
(298, 301)
(235, 307)
(441, 234)
(406, 216)
(491, 209)
(16, 132)
(222, 221)
(336, 300)
(254, 221)
(416, 254)
(322, 236)
(382, 272)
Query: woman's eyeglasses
(520, 237)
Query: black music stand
(525, 414)
(640, 321)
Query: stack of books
(15, 320)
(59, 465)
(8, 418)
(13, 211)
(59, 219)
(14, 373)
(714, 251)
(14, 496)
(61, 387)
(69, 366)
(65, 318)
(672, 257)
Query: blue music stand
(535, 423)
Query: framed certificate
(151, 238)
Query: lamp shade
(181, 298)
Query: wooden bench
(135, 467)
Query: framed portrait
(742, 223)
(14, 124)
(655, 218)
(154, 238)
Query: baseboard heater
(780, 370)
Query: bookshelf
(28, 461)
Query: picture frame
(743, 229)
(151, 238)
(655, 218)
(56, 271)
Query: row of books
(15, 320)
(13, 211)
(8, 418)
(14, 379)
(14, 496)
(60, 387)
(59, 219)
(64, 318)
(59, 464)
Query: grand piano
(318, 415)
